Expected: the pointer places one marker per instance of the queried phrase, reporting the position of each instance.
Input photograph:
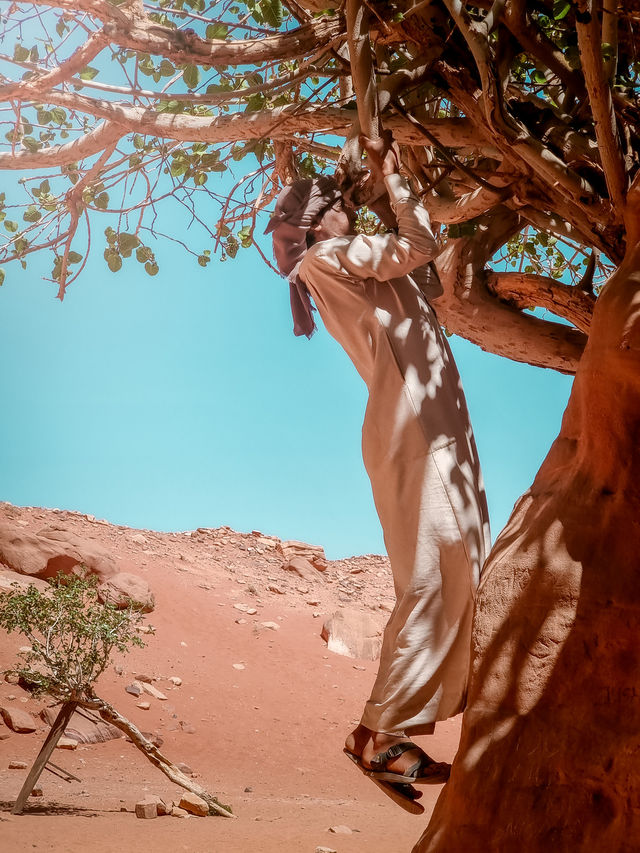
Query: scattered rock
(194, 804)
(353, 634)
(67, 743)
(341, 829)
(313, 553)
(238, 666)
(325, 850)
(272, 625)
(248, 789)
(147, 808)
(153, 691)
(36, 792)
(138, 538)
(12, 677)
(187, 727)
(163, 808)
(9, 580)
(144, 706)
(125, 589)
(184, 768)
(134, 689)
(148, 679)
(273, 588)
(176, 811)
(17, 720)
(175, 680)
(18, 765)
(303, 568)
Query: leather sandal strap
(382, 759)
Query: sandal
(402, 793)
(425, 771)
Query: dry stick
(110, 715)
(58, 727)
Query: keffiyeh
(298, 208)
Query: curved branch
(450, 211)
(95, 141)
(525, 291)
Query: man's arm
(383, 256)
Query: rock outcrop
(354, 634)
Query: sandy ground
(266, 738)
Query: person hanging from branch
(418, 449)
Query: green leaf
(151, 267)
(138, 141)
(45, 188)
(217, 31)
(10, 225)
(561, 9)
(31, 144)
(203, 260)
(58, 115)
(88, 73)
(20, 53)
(166, 68)
(191, 76)
(74, 257)
(2, 275)
(200, 178)
(101, 201)
(272, 12)
(113, 259)
(144, 254)
(31, 214)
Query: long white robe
(420, 454)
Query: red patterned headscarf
(299, 206)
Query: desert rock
(125, 589)
(147, 808)
(194, 804)
(82, 730)
(18, 720)
(353, 634)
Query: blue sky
(184, 400)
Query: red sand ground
(276, 727)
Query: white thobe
(420, 454)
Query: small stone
(12, 677)
(18, 765)
(67, 743)
(272, 625)
(143, 677)
(241, 607)
(187, 727)
(241, 621)
(316, 614)
(184, 768)
(238, 666)
(341, 829)
(194, 804)
(133, 689)
(176, 811)
(163, 808)
(144, 706)
(152, 691)
(251, 611)
(248, 789)
(273, 588)
(147, 808)
(175, 680)
(37, 792)
(325, 850)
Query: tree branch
(601, 102)
(526, 291)
(93, 142)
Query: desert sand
(260, 716)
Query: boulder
(303, 568)
(124, 589)
(8, 580)
(194, 804)
(353, 634)
(313, 553)
(50, 551)
(82, 730)
(18, 720)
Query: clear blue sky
(184, 400)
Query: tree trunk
(550, 738)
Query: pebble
(341, 829)
(238, 666)
(144, 706)
(18, 765)
(272, 625)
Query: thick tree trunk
(548, 756)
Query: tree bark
(548, 755)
